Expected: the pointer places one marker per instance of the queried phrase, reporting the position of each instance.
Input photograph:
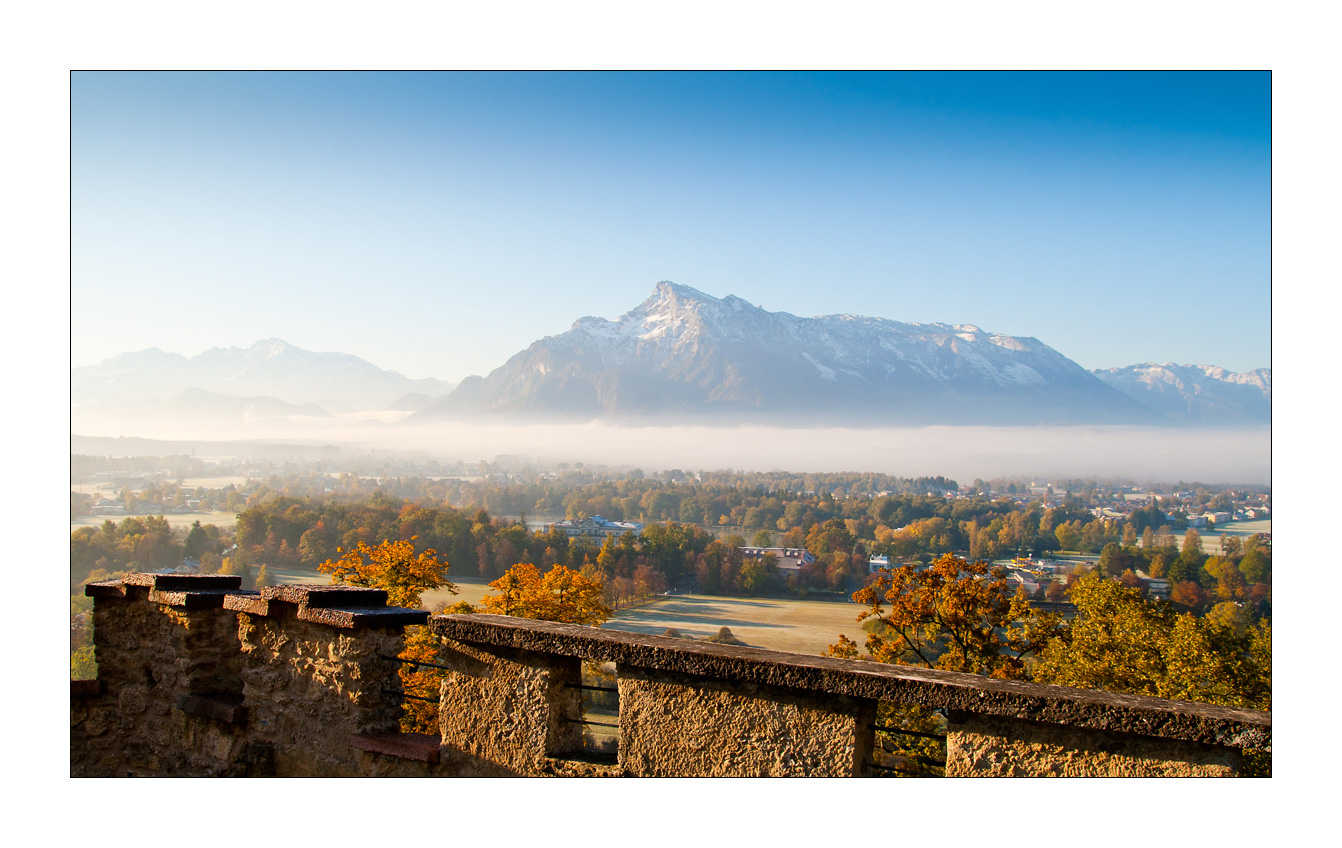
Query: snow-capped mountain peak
(684, 353)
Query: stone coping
(188, 591)
(183, 582)
(949, 690)
(85, 688)
(345, 607)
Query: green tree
(1069, 536)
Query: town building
(789, 559)
(595, 526)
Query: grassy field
(1211, 539)
(799, 627)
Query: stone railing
(197, 677)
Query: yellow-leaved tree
(1120, 642)
(393, 567)
(560, 594)
(404, 575)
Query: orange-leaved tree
(561, 594)
(395, 568)
(955, 615)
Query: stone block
(677, 725)
(993, 746)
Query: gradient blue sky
(436, 224)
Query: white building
(596, 527)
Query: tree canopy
(561, 594)
(1120, 642)
(392, 566)
(955, 615)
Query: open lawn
(1211, 539)
(799, 627)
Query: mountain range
(337, 382)
(683, 356)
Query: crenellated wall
(198, 677)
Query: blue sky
(435, 224)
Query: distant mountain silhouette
(684, 356)
(1197, 394)
(272, 368)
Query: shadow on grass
(709, 630)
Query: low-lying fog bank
(962, 453)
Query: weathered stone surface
(359, 617)
(503, 711)
(346, 607)
(191, 600)
(991, 746)
(310, 688)
(875, 681)
(226, 708)
(253, 685)
(674, 725)
(325, 595)
(183, 582)
(407, 746)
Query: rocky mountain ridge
(683, 356)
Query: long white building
(596, 527)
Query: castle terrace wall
(200, 678)
(996, 727)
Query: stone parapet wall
(198, 677)
(708, 709)
(674, 724)
(990, 746)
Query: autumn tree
(1122, 643)
(394, 567)
(561, 594)
(955, 615)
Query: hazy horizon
(1230, 455)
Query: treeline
(304, 532)
(143, 544)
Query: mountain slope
(1202, 394)
(271, 368)
(683, 355)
